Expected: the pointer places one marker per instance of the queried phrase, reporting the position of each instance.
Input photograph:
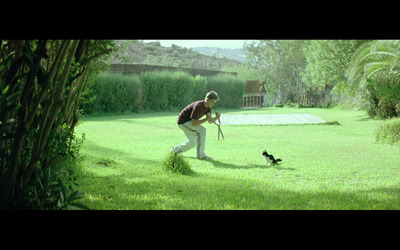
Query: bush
(180, 90)
(114, 93)
(200, 87)
(229, 88)
(54, 188)
(167, 90)
(389, 131)
(157, 91)
(155, 95)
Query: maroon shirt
(195, 110)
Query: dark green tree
(327, 62)
(41, 83)
(279, 63)
(375, 72)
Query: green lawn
(324, 166)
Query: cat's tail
(278, 160)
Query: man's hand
(212, 120)
(209, 117)
(198, 122)
(217, 114)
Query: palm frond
(377, 56)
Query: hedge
(157, 91)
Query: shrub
(181, 90)
(329, 123)
(229, 88)
(168, 90)
(389, 131)
(114, 93)
(200, 87)
(155, 89)
(54, 188)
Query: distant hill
(136, 51)
(235, 54)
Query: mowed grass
(324, 166)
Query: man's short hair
(212, 95)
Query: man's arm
(199, 122)
(217, 116)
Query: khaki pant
(196, 135)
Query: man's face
(211, 103)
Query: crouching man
(190, 120)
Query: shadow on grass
(172, 194)
(364, 118)
(128, 115)
(220, 164)
(143, 191)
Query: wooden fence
(256, 97)
(252, 101)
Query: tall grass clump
(389, 131)
(229, 88)
(178, 167)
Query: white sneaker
(175, 151)
(204, 157)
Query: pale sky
(228, 44)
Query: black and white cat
(270, 158)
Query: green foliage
(155, 89)
(329, 123)
(114, 93)
(244, 72)
(200, 87)
(389, 131)
(181, 89)
(158, 91)
(375, 73)
(367, 70)
(55, 187)
(41, 82)
(327, 61)
(279, 63)
(229, 88)
(176, 166)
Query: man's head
(211, 99)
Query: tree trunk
(53, 110)
(41, 85)
(23, 125)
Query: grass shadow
(220, 164)
(128, 115)
(279, 167)
(364, 118)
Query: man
(189, 120)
